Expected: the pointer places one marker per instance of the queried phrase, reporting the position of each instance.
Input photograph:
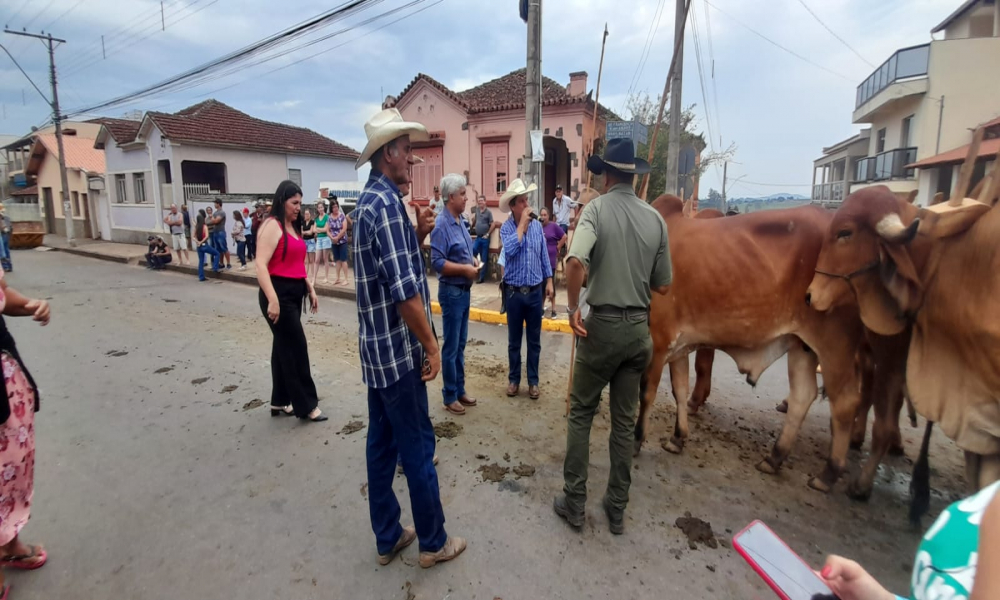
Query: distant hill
(772, 198)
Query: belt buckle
(524, 290)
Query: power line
(11, 18)
(701, 78)
(654, 25)
(64, 13)
(715, 89)
(777, 45)
(32, 19)
(834, 34)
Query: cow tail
(920, 486)
(910, 411)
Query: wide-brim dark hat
(619, 154)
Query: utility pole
(725, 166)
(597, 99)
(533, 97)
(163, 22)
(57, 119)
(674, 136)
(104, 55)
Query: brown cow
(942, 276)
(738, 286)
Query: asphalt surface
(159, 477)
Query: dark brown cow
(939, 273)
(738, 286)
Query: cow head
(668, 206)
(865, 260)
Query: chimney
(577, 84)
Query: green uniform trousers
(616, 351)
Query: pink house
(480, 132)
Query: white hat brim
(510, 194)
(389, 132)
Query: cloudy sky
(778, 109)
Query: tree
(714, 200)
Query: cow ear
(899, 276)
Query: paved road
(152, 486)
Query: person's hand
(313, 302)
(470, 271)
(849, 581)
(432, 364)
(273, 309)
(40, 310)
(526, 215)
(576, 323)
(550, 291)
(425, 220)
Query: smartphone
(787, 574)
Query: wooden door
(495, 170)
(427, 174)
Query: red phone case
(753, 564)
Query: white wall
(246, 172)
(133, 216)
(117, 160)
(316, 169)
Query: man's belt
(625, 314)
(523, 289)
(465, 287)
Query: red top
(293, 265)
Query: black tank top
(308, 225)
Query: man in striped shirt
(527, 271)
(399, 352)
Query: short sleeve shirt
(176, 223)
(336, 226)
(623, 243)
(484, 220)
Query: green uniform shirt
(623, 243)
(945, 567)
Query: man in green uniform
(620, 247)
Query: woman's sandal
(285, 411)
(28, 562)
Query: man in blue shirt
(399, 352)
(526, 271)
(451, 257)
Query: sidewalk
(485, 297)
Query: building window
(120, 189)
(495, 169)
(427, 174)
(906, 132)
(139, 180)
(880, 141)
(296, 176)
(83, 204)
(76, 203)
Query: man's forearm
(412, 311)
(575, 274)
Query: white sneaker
(243, 267)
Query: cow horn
(892, 230)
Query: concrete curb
(475, 314)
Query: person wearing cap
(620, 248)
(526, 273)
(398, 347)
(562, 209)
(436, 203)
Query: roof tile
(80, 152)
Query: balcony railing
(832, 191)
(908, 62)
(887, 165)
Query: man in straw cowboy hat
(620, 247)
(399, 351)
(527, 271)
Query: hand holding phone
(783, 571)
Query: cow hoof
(693, 407)
(856, 491)
(765, 466)
(674, 445)
(896, 451)
(817, 484)
(857, 445)
(783, 407)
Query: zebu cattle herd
(889, 298)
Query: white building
(919, 108)
(207, 148)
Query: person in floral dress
(17, 439)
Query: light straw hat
(515, 189)
(386, 126)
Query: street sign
(633, 130)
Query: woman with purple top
(338, 238)
(555, 238)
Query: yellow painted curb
(495, 318)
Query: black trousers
(291, 379)
(251, 246)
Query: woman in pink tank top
(281, 273)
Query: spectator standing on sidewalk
(436, 203)
(527, 282)
(562, 210)
(338, 225)
(323, 244)
(255, 220)
(482, 221)
(219, 234)
(457, 268)
(309, 235)
(187, 228)
(399, 351)
(175, 220)
(555, 240)
(203, 242)
(6, 229)
(239, 238)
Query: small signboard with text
(633, 130)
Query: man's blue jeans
(524, 311)
(481, 248)
(454, 301)
(202, 251)
(399, 426)
(218, 240)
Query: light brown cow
(942, 276)
(738, 286)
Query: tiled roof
(122, 130)
(28, 191)
(507, 93)
(213, 123)
(80, 152)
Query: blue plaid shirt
(388, 269)
(528, 259)
(450, 241)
